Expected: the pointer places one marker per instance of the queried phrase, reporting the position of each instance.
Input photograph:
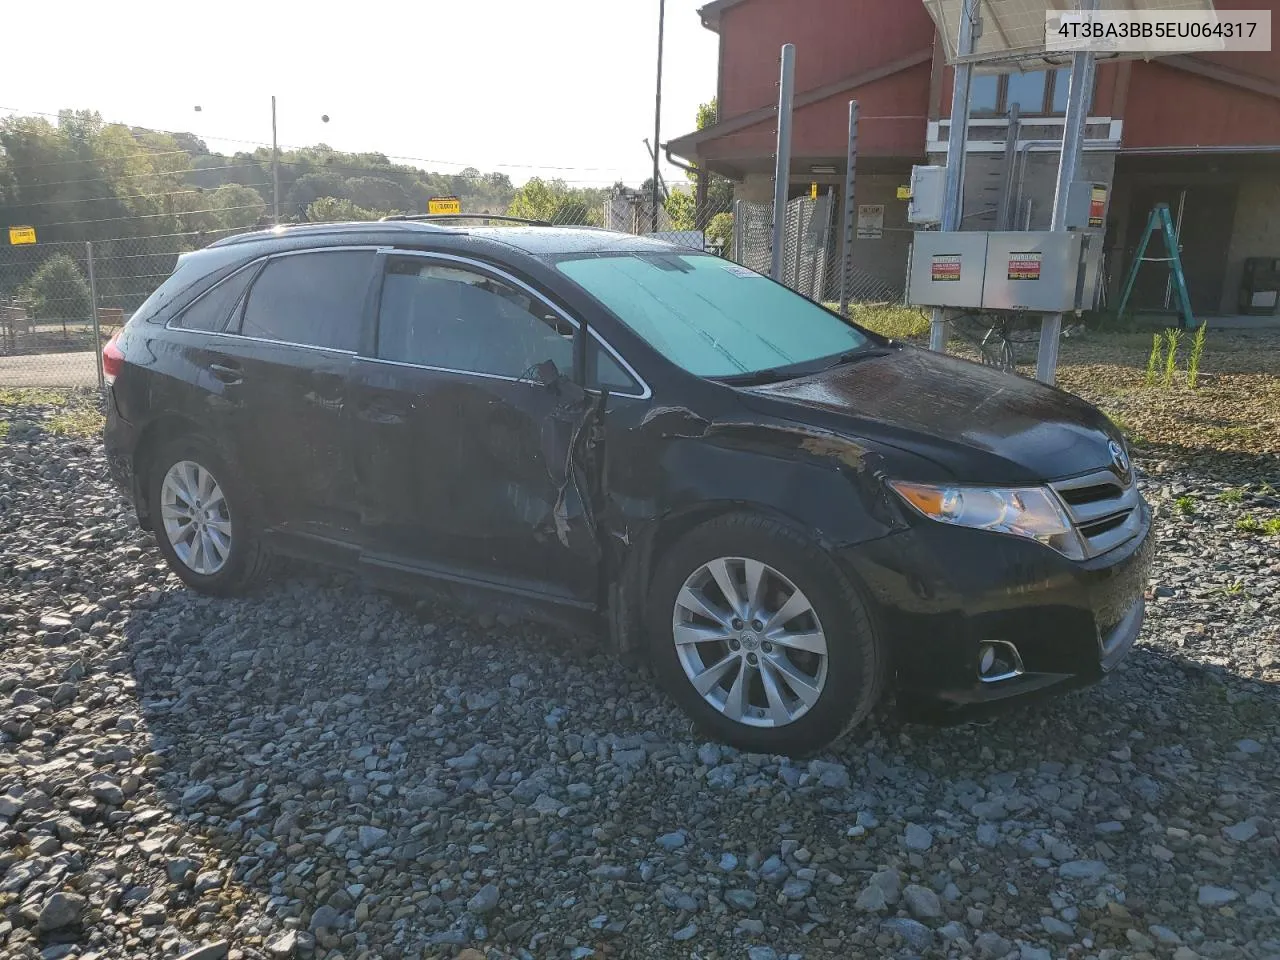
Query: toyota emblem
(1118, 457)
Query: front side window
(316, 299)
(710, 316)
(452, 317)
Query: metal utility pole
(953, 202)
(93, 305)
(657, 118)
(275, 168)
(1079, 97)
(782, 169)
(851, 157)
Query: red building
(1201, 133)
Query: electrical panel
(1032, 270)
(928, 191)
(947, 269)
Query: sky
(562, 88)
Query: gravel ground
(322, 770)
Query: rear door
(465, 461)
(283, 362)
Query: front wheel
(204, 520)
(761, 639)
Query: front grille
(1104, 508)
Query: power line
(148, 216)
(156, 173)
(137, 196)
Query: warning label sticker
(1024, 266)
(945, 266)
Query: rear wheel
(205, 522)
(761, 639)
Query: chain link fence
(61, 301)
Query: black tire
(856, 662)
(246, 564)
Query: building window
(1037, 93)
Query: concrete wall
(1256, 231)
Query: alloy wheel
(750, 642)
(196, 519)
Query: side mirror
(547, 374)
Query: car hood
(980, 424)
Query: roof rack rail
(466, 216)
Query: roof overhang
(710, 13)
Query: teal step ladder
(1160, 220)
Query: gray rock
(608, 871)
(871, 899)
(1082, 870)
(687, 932)
(283, 945)
(796, 889)
(761, 953)
(671, 841)
(1248, 746)
(324, 917)
(1058, 929)
(1211, 896)
(61, 910)
(953, 930)
(992, 946)
(485, 900)
(774, 870)
(915, 933)
(740, 899)
(917, 837)
(1164, 935)
(752, 926)
(196, 794)
(210, 951)
(1028, 952)
(922, 902)
(1241, 832)
(370, 837)
(106, 792)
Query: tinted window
(210, 311)
(603, 371)
(311, 298)
(710, 316)
(1061, 88)
(459, 319)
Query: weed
(1123, 425)
(1248, 524)
(1234, 495)
(1271, 527)
(1185, 505)
(1197, 350)
(76, 421)
(1172, 337)
(1153, 361)
(1234, 588)
(898, 322)
(4, 429)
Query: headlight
(1031, 512)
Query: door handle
(227, 373)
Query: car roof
(535, 241)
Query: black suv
(787, 511)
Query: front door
(464, 454)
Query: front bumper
(941, 592)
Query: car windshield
(711, 316)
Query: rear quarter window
(189, 274)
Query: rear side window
(316, 299)
(210, 311)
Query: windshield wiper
(758, 377)
(862, 353)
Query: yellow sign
(813, 191)
(904, 193)
(444, 205)
(21, 235)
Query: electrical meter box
(928, 189)
(947, 268)
(1034, 271)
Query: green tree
(378, 193)
(720, 233)
(237, 206)
(333, 209)
(59, 291)
(555, 202)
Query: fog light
(998, 660)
